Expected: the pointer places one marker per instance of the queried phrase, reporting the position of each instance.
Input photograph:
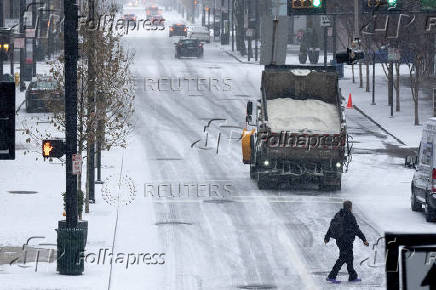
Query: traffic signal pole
(356, 19)
(71, 56)
(71, 235)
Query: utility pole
(325, 45)
(193, 11)
(334, 36)
(356, 19)
(256, 35)
(22, 9)
(214, 17)
(233, 26)
(90, 172)
(34, 39)
(391, 86)
(373, 78)
(71, 238)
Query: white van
(199, 32)
(423, 193)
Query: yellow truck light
(246, 146)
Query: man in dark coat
(348, 231)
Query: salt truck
(299, 132)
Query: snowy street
(222, 232)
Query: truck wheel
(414, 204)
(262, 182)
(430, 213)
(252, 171)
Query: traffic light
(428, 5)
(306, 7)
(392, 3)
(7, 120)
(349, 57)
(53, 148)
(4, 44)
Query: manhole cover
(22, 192)
(257, 286)
(173, 223)
(217, 201)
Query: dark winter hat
(348, 204)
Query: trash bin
(302, 57)
(313, 54)
(71, 248)
(339, 68)
(80, 224)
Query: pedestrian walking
(344, 228)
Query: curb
(238, 59)
(378, 125)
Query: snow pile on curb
(303, 116)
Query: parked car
(178, 30)
(43, 95)
(423, 188)
(199, 32)
(189, 48)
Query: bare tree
(114, 82)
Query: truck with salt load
(299, 130)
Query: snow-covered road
(251, 240)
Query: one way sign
(325, 21)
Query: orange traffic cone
(350, 102)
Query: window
(427, 153)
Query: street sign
(394, 54)
(77, 164)
(19, 42)
(30, 33)
(250, 33)
(325, 21)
